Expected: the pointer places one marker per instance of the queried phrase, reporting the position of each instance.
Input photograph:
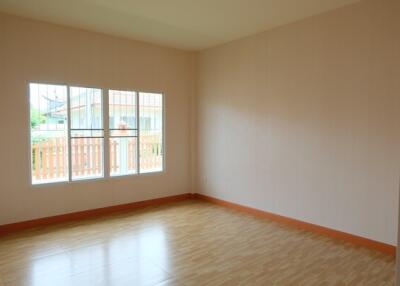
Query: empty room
(188, 142)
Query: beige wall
(35, 51)
(304, 120)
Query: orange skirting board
(13, 227)
(357, 240)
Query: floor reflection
(126, 257)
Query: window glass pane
(77, 133)
(86, 108)
(122, 109)
(123, 156)
(87, 132)
(123, 132)
(87, 158)
(49, 127)
(151, 132)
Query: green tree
(37, 118)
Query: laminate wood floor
(186, 243)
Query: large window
(74, 129)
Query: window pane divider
(69, 135)
(84, 137)
(87, 129)
(122, 129)
(123, 136)
(106, 133)
(137, 134)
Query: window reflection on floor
(136, 256)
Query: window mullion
(69, 135)
(106, 124)
(138, 133)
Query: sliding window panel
(49, 133)
(86, 133)
(151, 132)
(122, 110)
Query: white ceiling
(185, 24)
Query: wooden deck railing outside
(50, 161)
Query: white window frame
(106, 132)
(103, 171)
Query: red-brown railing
(150, 153)
(49, 158)
(86, 157)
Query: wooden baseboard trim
(18, 226)
(357, 240)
